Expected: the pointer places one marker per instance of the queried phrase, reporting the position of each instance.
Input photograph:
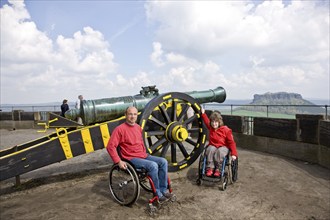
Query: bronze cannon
(101, 110)
(171, 123)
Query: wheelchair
(229, 171)
(125, 185)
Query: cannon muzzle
(101, 110)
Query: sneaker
(209, 172)
(168, 195)
(217, 173)
(162, 199)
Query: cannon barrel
(101, 110)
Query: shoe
(168, 195)
(209, 172)
(217, 173)
(162, 199)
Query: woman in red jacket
(221, 141)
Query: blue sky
(51, 50)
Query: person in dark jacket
(64, 107)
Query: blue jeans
(157, 170)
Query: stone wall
(312, 153)
(305, 138)
(311, 129)
(19, 119)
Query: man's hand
(122, 165)
(202, 110)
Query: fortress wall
(324, 133)
(275, 128)
(306, 138)
(26, 116)
(311, 129)
(311, 153)
(19, 119)
(12, 125)
(236, 123)
(6, 116)
(308, 126)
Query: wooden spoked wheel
(173, 128)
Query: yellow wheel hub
(179, 133)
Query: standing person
(78, 103)
(221, 141)
(128, 136)
(64, 107)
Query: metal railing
(269, 110)
(32, 108)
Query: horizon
(71, 103)
(326, 101)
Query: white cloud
(156, 56)
(247, 47)
(20, 40)
(44, 68)
(86, 52)
(262, 47)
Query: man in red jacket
(221, 141)
(129, 137)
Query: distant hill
(283, 99)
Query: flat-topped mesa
(101, 110)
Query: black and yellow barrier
(56, 147)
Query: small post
(18, 180)
(326, 112)
(17, 177)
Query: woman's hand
(234, 157)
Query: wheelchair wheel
(124, 184)
(199, 182)
(234, 170)
(145, 184)
(173, 199)
(151, 209)
(201, 165)
(223, 182)
(201, 169)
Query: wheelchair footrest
(211, 179)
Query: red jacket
(129, 138)
(219, 137)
